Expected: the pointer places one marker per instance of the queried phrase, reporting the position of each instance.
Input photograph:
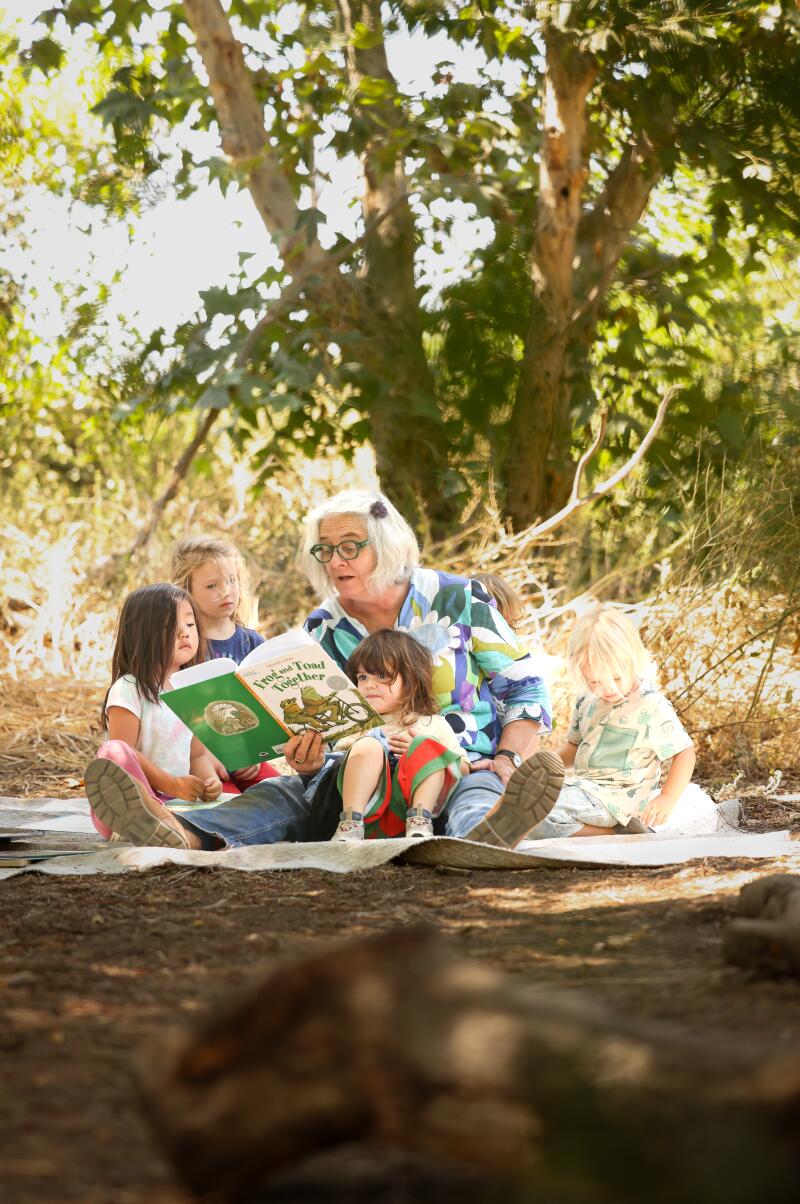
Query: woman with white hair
(363, 559)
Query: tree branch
(587, 455)
(244, 137)
(531, 534)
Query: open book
(245, 713)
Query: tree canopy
(629, 167)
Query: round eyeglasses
(348, 549)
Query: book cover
(307, 689)
(245, 714)
(224, 715)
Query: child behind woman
(396, 779)
(505, 596)
(631, 756)
(150, 754)
(212, 571)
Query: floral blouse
(483, 677)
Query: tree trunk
(406, 433)
(537, 470)
(392, 1041)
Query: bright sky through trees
(151, 262)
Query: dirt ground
(90, 968)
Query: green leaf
(46, 55)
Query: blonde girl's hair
(391, 538)
(508, 600)
(187, 556)
(604, 645)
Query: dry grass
(726, 650)
(49, 731)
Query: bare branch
(531, 534)
(587, 455)
(244, 138)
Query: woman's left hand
(502, 766)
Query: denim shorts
(573, 808)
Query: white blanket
(71, 817)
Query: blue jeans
(271, 811)
(472, 798)
(294, 809)
(574, 807)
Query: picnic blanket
(49, 823)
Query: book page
(202, 672)
(278, 646)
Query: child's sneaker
(634, 827)
(123, 804)
(530, 795)
(419, 822)
(351, 826)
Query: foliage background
(702, 543)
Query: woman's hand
(399, 739)
(190, 788)
(304, 752)
(248, 774)
(502, 766)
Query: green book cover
(245, 713)
(225, 716)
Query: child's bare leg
(419, 820)
(427, 793)
(362, 773)
(592, 830)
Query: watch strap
(515, 758)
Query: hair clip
(378, 509)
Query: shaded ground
(90, 967)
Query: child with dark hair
(150, 755)
(396, 779)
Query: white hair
(604, 644)
(392, 540)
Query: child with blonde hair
(631, 756)
(506, 598)
(213, 572)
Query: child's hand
(399, 739)
(248, 774)
(189, 788)
(658, 810)
(213, 788)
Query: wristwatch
(514, 758)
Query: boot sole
(529, 798)
(121, 803)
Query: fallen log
(394, 1042)
(767, 937)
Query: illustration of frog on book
(321, 712)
